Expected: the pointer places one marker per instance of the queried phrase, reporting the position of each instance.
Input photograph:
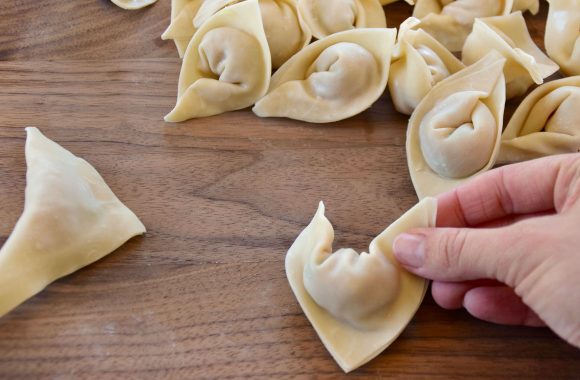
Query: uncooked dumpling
(71, 219)
(562, 37)
(454, 133)
(358, 304)
(285, 32)
(326, 17)
(419, 62)
(450, 22)
(226, 66)
(132, 4)
(332, 79)
(509, 36)
(181, 28)
(547, 122)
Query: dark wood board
(204, 294)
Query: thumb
(461, 254)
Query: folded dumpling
(332, 79)
(547, 122)
(326, 17)
(181, 28)
(454, 133)
(226, 66)
(562, 37)
(285, 32)
(419, 62)
(71, 219)
(509, 36)
(132, 4)
(451, 21)
(357, 303)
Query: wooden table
(204, 294)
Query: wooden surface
(204, 293)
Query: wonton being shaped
(358, 304)
(285, 32)
(332, 79)
(326, 17)
(547, 122)
(450, 22)
(71, 219)
(226, 66)
(454, 133)
(181, 28)
(509, 36)
(132, 4)
(419, 62)
(562, 37)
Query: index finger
(523, 188)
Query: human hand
(507, 246)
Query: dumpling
(285, 32)
(132, 4)
(181, 28)
(358, 304)
(332, 79)
(454, 133)
(509, 36)
(326, 17)
(419, 62)
(71, 219)
(450, 22)
(562, 37)
(226, 66)
(547, 122)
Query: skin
(507, 246)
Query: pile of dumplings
(321, 61)
(451, 67)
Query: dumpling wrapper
(526, 63)
(285, 32)
(226, 66)
(324, 17)
(547, 122)
(419, 62)
(562, 36)
(71, 219)
(181, 28)
(348, 283)
(454, 133)
(133, 4)
(450, 22)
(331, 79)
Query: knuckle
(450, 247)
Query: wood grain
(204, 293)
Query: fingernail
(409, 249)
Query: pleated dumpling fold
(454, 133)
(526, 64)
(451, 21)
(547, 122)
(71, 219)
(285, 32)
(419, 62)
(562, 36)
(181, 28)
(331, 79)
(226, 66)
(326, 17)
(358, 304)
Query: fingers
(449, 295)
(522, 188)
(463, 254)
(499, 304)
